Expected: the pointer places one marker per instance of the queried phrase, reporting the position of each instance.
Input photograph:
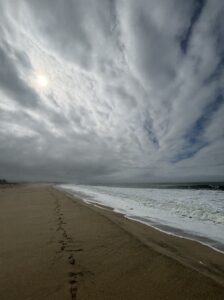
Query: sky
(112, 91)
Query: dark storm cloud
(135, 90)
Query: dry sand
(56, 247)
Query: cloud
(198, 9)
(10, 81)
(135, 90)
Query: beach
(55, 246)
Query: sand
(56, 247)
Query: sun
(41, 80)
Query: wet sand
(56, 247)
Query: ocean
(191, 211)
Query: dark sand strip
(55, 247)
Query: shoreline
(169, 236)
(157, 226)
(55, 246)
(185, 235)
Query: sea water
(191, 213)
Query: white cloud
(124, 100)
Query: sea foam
(195, 214)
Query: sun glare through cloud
(41, 80)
